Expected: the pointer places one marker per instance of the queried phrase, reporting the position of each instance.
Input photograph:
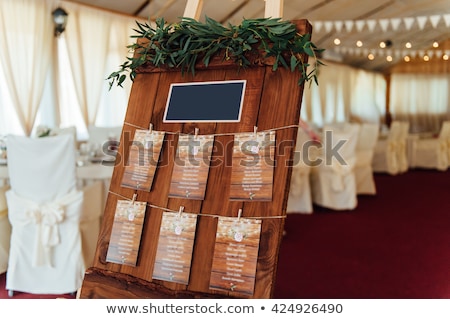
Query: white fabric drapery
(421, 99)
(344, 94)
(87, 39)
(43, 89)
(95, 44)
(25, 54)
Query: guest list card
(235, 255)
(143, 159)
(252, 166)
(174, 252)
(126, 232)
(191, 167)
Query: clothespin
(255, 130)
(180, 211)
(134, 198)
(239, 214)
(150, 128)
(196, 133)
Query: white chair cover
(45, 209)
(333, 182)
(367, 140)
(385, 158)
(72, 130)
(402, 149)
(99, 135)
(433, 153)
(299, 200)
(5, 231)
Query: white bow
(392, 160)
(341, 170)
(46, 217)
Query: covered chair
(98, 135)
(5, 231)
(367, 140)
(299, 200)
(402, 148)
(433, 153)
(385, 157)
(45, 209)
(333, 182)
(72, 130)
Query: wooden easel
(272, 100)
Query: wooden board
(272, 101)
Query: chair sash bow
(46, 217)
(341, 170)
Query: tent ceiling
(420, 22)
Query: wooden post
(274, 9)
(388, 115)
(193, 9)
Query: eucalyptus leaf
(181, 45)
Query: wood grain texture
(272, 101)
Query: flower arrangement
(184, 44)
(44, 131)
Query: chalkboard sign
(214, 101)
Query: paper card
(175, 244)
(235, 255)
(253, 166)
(191, 166)
(126, 232)
(143, 159)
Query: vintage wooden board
(272, 100)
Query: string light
(359, 43)
(407, 58)
(389, 58)
(337, 41)
(371, 56)
(435, 44)
(426, 58)
(445, 57)
(408, 45)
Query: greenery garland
(181, 45)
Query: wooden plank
(274, 9)
(193, 9)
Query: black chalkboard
(215, 101)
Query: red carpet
(394, 245)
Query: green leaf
(181, 45)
